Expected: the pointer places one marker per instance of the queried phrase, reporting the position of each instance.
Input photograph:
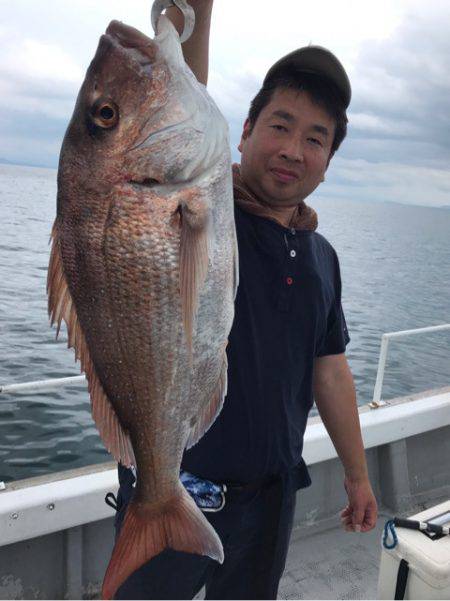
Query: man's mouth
(284, 175)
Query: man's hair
(322, 92)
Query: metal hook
(186, 9)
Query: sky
(396, 53)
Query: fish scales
(143, 270)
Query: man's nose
(292, 150)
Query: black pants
(255, 529)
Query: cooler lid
(428, 558)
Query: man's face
(285, 156)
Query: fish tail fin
(146, 532)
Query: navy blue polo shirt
(288, 311)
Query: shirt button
(293, 253)
(289, 281)
(293, 231)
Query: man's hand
(335, 397)
(360, 515)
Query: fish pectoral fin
(194, 251)
(212, 409)
(146, 531)
(61, 307)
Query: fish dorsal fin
(235, 266)
(61, 307)
(212, 409)
(194, 250)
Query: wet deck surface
(333, 564)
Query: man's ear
(330, 156)
(245, 134)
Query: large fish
(143, 270)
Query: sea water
(395, 267)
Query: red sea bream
(143, 271)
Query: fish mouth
(139, 46)
(130, 37)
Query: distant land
(23, 164)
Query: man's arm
(335, 397)
(196, 48)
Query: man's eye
(315, 141)
(279, 127)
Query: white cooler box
(428, 560)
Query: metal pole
(41, 385)
(418, 331)
(376, 401)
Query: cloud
(39, 81)
(41, 61)
(379, 126)
(387, 181)
(38, 85)
(398, 143)
(403, 83)
(398, 146)
(397, 53)
(37, 77)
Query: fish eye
(105, 113)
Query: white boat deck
(333, 564)
(57, 532)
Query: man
(286, 347)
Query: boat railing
(385, 338)
(58, 503)
(40, 385)
(55, 383)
